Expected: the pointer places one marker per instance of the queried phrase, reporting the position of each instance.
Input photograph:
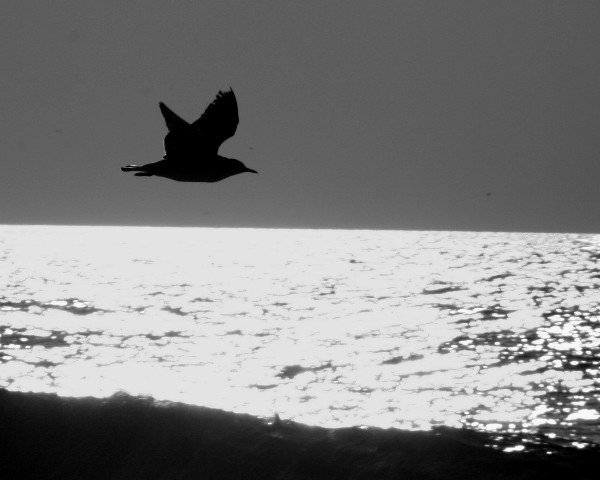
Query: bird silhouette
(191, 148)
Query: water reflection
(497, 332)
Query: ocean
(496, 333)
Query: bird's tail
(137, 168)
(132, 168)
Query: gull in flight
(191, 148)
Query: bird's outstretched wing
(218, 122)
(172, 120)
(201, 139)
(180, 142)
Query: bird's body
(211, 170)
(191, 148)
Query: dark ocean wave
(125, 437)
(71, 305)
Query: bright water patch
(492, 331)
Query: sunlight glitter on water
(497, 332)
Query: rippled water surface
(492, 331)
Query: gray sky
(399, 114)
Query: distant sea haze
(497, 332)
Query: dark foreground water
(122, 437)
(486, 332)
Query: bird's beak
(250, 170)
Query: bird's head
(239, 167)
